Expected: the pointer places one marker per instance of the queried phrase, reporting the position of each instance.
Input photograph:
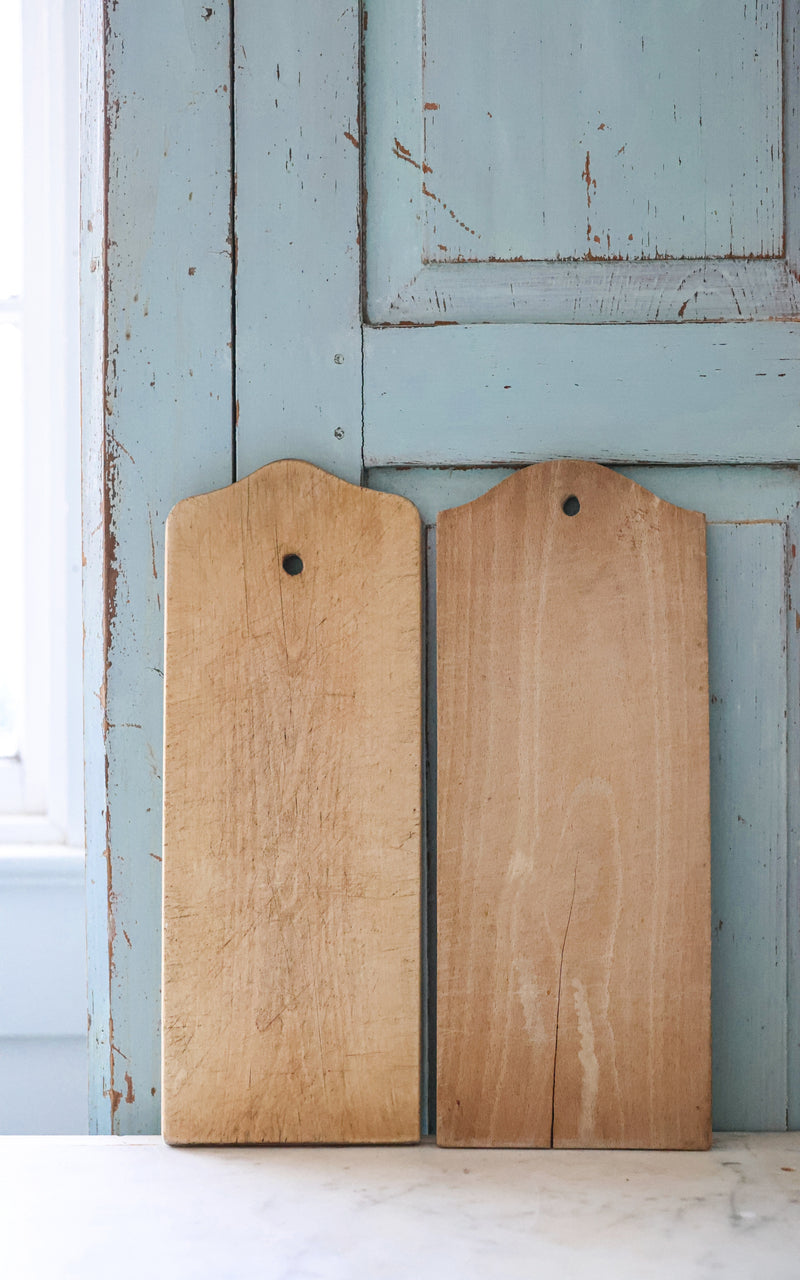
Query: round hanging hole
(292, 565)
(570, 506)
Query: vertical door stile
(162, 431)
(297, 196)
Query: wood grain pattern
(680, 292)
(573, 845)
(292, 775)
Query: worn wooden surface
(573, 848)
(292, 793)
(158, 374)
(645, 292)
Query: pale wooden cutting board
(573, 842)
(292, 778)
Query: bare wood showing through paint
(573, 846)
(292, 777)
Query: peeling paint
(152, 543)
(402, 153)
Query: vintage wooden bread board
(573, 824)
(292, 777)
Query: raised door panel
(603, 131)
(584, 163)
(570, 213)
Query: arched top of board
(572, 488)
(292, 813)
(303, 481)
(573, 816)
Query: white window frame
(41, 791)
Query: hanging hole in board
(292, 565)
(570, 506)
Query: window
(40, 644)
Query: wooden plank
(292, 797)
(747, 658)
(158, 427)
(573, 845)
(509, 394)
(298, 282)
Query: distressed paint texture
(163, 431)
(747, 656)
(298, 340)
(483, 394)
(605, 130)
(160, 392)
(612, 164)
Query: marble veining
(82, 1208)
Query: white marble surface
(134, 1209)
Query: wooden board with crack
(573, 849)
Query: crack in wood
(558, 1002)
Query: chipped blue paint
(162, 431)
(298, 335)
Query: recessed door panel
(612, 130)
(586, 163)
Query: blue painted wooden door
(581, 240)
(419, 243)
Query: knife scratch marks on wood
(243, 526)
(283, 614)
